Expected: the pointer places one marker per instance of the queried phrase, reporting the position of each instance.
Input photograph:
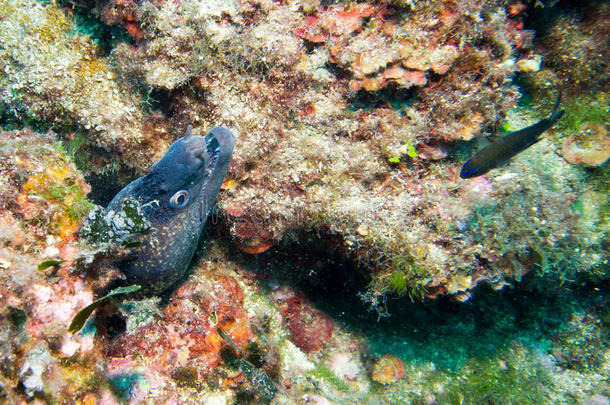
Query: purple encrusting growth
(177, 194)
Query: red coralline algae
(309, 328)
(251, 234)
(336, 21)
(186, 332)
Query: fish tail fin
(538, 129)
(556, 116)
(557, 113)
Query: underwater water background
(444, 331)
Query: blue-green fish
(499, 152)
(177, 194)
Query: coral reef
(42, 187)
(230, 333)
(352, 121)
(55, 78)
(346, 115)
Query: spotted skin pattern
(177, 194)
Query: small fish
(501, 151)
(178, 192)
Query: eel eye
(180, 199)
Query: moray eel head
(177, 194)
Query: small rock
(4, 263)
(530, 65)
(597, 399)
(362, 229)
(388, 369)
(591, 146)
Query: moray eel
(501, 151)
(177, 194)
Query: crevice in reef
(87, 17)
(392, 95)
(443, 331)
(104, 187)
(159, 99)
(541, 19)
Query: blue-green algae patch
(123, 386)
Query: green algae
(586, 108)
(510, 378)
(49, 263)
(324, 373)
(17, 316)
(262, 384)
(397, 283)
(579, 344)
(124, 386)
(81, 316)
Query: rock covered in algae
(132, 350)
(54, 76)
(47, 189)
(42, 201)
(590, 147)
(388, 369)
(221, 337)
(335, 139)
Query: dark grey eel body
(177, 194)
(501, 151)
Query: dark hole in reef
(115, 325)
(541, 19)
(440, 330)
(327, 3)
(20, 388)
(88, 22)
(105, 186)
(340, 72)
(433, 77)
(229, 357)
(159, 99)
(249, 166)
(391, 95)
(309, 45)
(245, 397)
(109, 321)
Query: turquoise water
(445, 332)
